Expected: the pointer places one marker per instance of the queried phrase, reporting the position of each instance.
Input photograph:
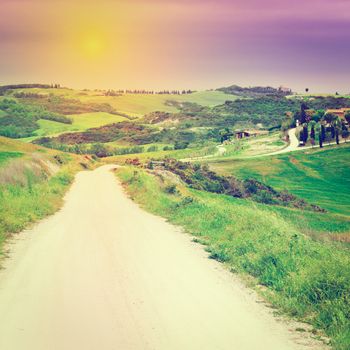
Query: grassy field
(320, 176)
(81, 122)
(139, 105)
(306, 279)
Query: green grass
(94, 120)
(28, 192)
(321, 177)
(5, 156)
(306, 279)
(81, 122)
(205, 98)
(21, 205)
(139, 105)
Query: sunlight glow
(93, 46)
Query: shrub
(152, 148)
(181, 144)
(171, 189)
(185, 201)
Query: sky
(175, 44)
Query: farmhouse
(241, 134)
(285, 90)
(338, 112)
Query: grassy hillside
(139, 105)
(320, 176)
(80, 122)
(307, 279)
(136, 104)
(6, 156)
(33, 181)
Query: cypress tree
(332, 131)
(305, 133)
(312, 132)
(323, 133)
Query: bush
(185, 201)
(100, 150)
(181, 144)
(171, 189)
(152, 149)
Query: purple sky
(182, 43)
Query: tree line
(147, 92)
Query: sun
(93, 45)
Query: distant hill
(5, 88)
(256, 91)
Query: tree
(337, 129)
(330, 118)
(312, 132)
(225, 134)
(347, 117)
(320, 141)
(332, 132)
(319, 114)
(303, 115)
(345, 134)
(323, 132)
(337, 136)
(305, 133)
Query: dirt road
(293, 144)
(102, 274)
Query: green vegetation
(5, 156)
(131, 104)
(21, 205)
(65, 106)
(319, 176)
(200, 177)
(32, 184)
(80, 122)
(256, 91)
(262, 216)
(21, 120)
(190, 120)
(307, 279)
(139, 105)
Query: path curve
(102, 274)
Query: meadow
(320, 176)
(80, 122)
